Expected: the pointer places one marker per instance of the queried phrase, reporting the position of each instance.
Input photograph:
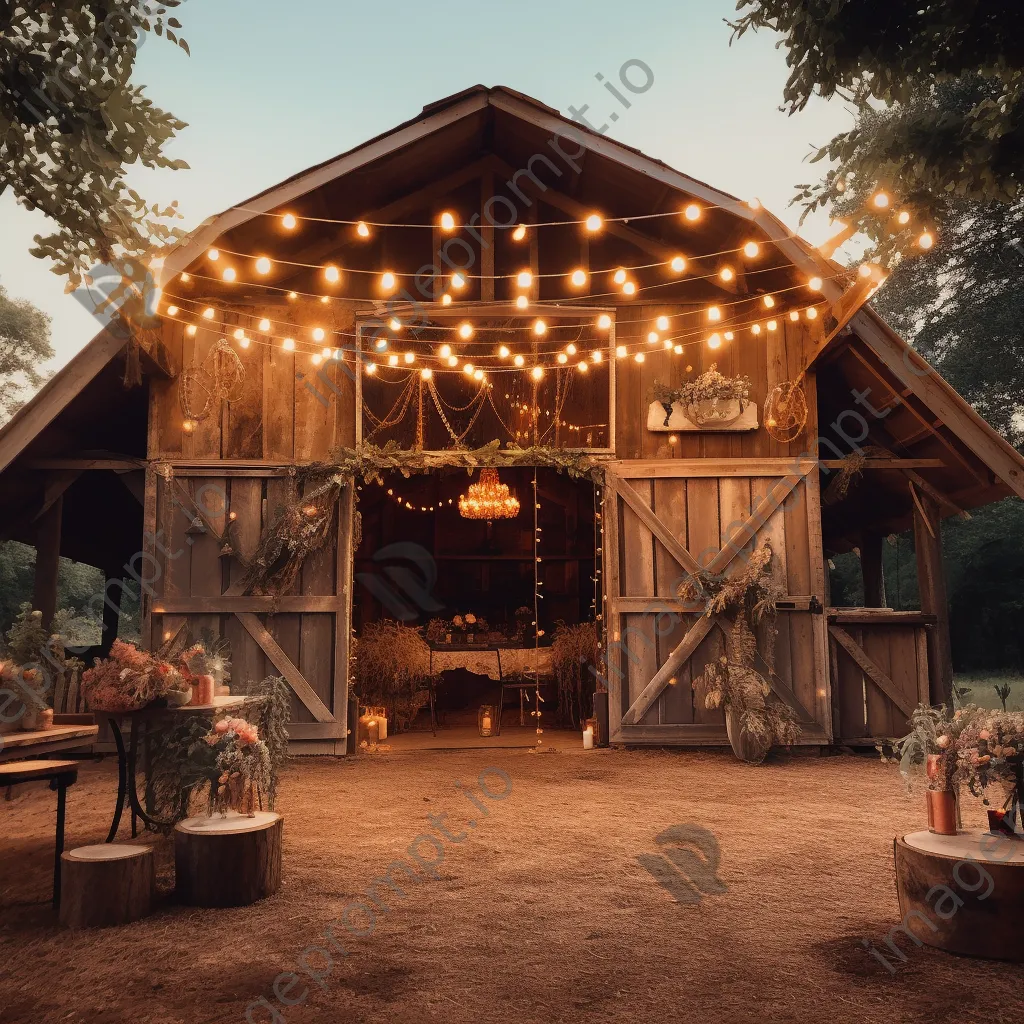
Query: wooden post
(871, 570)
(44, 596)
(931, 582)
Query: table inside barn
(17, 746)
(127, 756)
(508, 664)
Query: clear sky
(272, 88)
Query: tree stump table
(228, 861)
(105, 885)
(963, 893)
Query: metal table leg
(122, 778)
(60, 783)
(126, 785)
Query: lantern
(486, 720)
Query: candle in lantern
(486, 724)
(373, 731)
(382, 728)
(588, 738)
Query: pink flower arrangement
(247, 733)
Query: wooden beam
(931, 583)
(285, 666)
(487, 234)
(892, 463)
(122, 464)
(44, 596)
(871, 669)
(676, 550)
(230, 604)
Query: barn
(491, 286)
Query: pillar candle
(382, 728)
(373, 731)
(588, 738)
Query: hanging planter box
(674, 418)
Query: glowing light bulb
(756, 329)
(213, 254)
(426, 373)
(727, 274)
(229, 274)
(629, 288)
(392, 359)
(332, 274)
(715, 341)
(519, 360)
(812, 313)
(172, 310)
(478, 375)
(524, 279)
(447, 221)
(794, 315)
(191, 330)
(409, 357)
(519, 234)
(620, 351)
(288, 344)
(466, 331)
(503, 352)
(596, 356)
(325, 299)
(582, 367)
(185, 278)
(728, 336)
(772, 325)
(769, 301)
(563, 358)
(289, 221)
(815, 284)
(881, 200)
(326, 353)
(653, 338)
(537, 372)
(678, 264)
(662, 323)
(264, 325)
(263, 265)
(388, 281)
(751, 249)
(315, 359)
(468, 369)
(522, 302)
(445, 351)
(239, 334)
(446, 299)
(293, 296)
(864, 270)
(678, 349)
(904, 217)
(926, 241)
(639, 357)
(579, 278)
(362, 230)
(458, 280)
(571, 349)
(453, 361)
(714, 314)
(692, 212)
(243, 342)
(318, 334)
(667, 343)
(208, 313)
(540, 328)
(594, 222)
(604, 321)
(395, 324)
(371, 368)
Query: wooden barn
(493, 272)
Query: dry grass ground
(542, 913)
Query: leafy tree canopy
(71, 123)
(24, 344)
(897, 55)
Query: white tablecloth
(514, 661)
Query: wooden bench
(60, 774)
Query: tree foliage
(71, 123)
(24, 344)
(899, 55)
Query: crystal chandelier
(489, 498)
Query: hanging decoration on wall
(710, 401)
(488, 498)
(785, 411)
(203, 386)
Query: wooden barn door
(302, 635)
(665, 518)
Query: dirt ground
(541, 912)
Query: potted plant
(574, 650)
(710, 398)
(754, 721)
(392, 670)
(932, 746)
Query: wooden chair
(60, 774)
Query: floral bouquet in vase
(990, 754)
(236, 764)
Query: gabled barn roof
(503, 123)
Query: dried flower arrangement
(32, 660)
(235, 762)
(748, 600)
(574, 650)
(392, 670)
(707, 396)
(931, 745)
(990, 750)
(129, 679)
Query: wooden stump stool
(104, 885)
(984, 872)
(228, 861)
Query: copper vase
(942, 816)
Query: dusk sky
(265, 97)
